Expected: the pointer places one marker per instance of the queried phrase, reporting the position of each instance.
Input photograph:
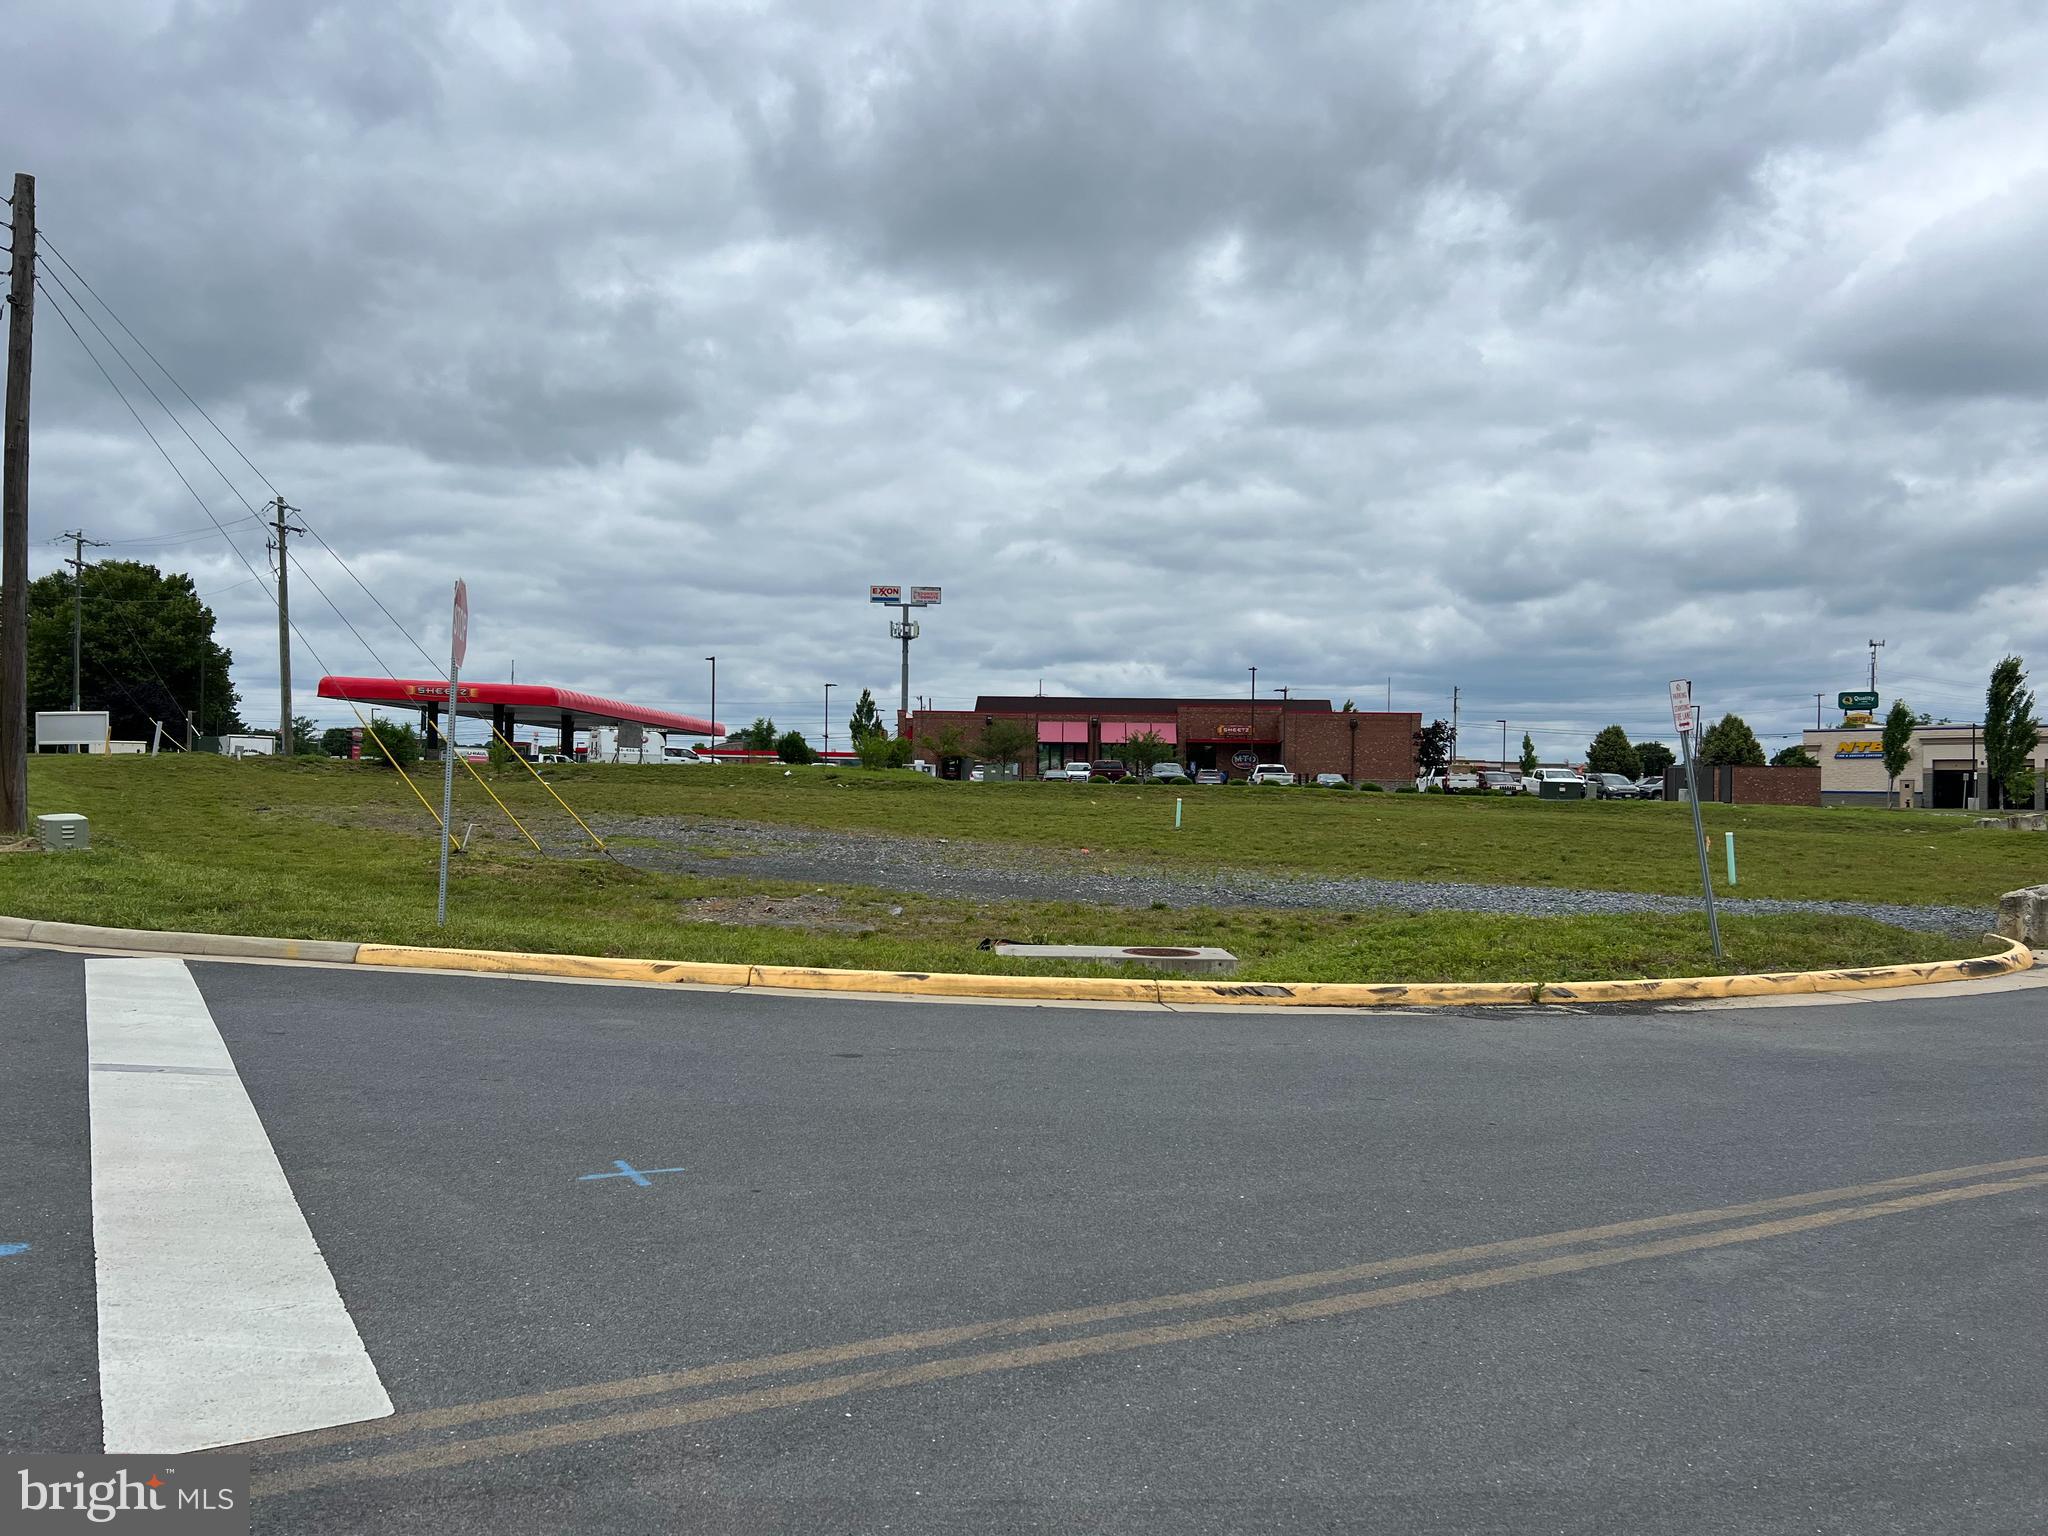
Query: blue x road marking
(626, 1171)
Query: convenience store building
(1310, 736)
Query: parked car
(1272, 773)
(1209, 776)
(1075, 773)
(1109, 768)
(1650, 787)
(1504, 781)
(552, 757)
(1575, 786)
(1612, 786)
(1330, 781)
(1455, 783)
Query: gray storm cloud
(1546, 351)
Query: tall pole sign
(458, 647)
(905, 629)
(1686, 716)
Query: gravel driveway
(1013, 872)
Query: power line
(88, 287)
(115, 348)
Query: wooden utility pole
(279, 529)
(77, 564)
(14, 516)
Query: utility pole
(828, 718)
(1875, 647)
(1454, 739)
(280, 529)
(1816, 711)
(14, 515)
(77, 564)
(1251, 733)
(1503, 744)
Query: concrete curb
(1051, 989)
(90, 936)
(1314, 994)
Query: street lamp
(715, 742)
(828, 717)
(1251, 734)
(1283, 692)
(1503, 746)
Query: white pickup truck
(1272, 773)
(1456, 783)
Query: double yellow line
(293, 1463)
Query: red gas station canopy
(526, 703)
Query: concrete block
(1200, 961)
(2023, 915)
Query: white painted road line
(218, 1319)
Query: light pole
(1251, 733)
(1283, 692)
(1503, 746)
(715, 742)
(828, 717)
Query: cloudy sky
(1549, 351)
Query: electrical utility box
(64, 832)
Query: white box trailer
(611, 744)
(248, 746)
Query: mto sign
(925, 597)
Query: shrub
(1370, 788)
(402, 742)
(792, 748)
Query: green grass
(316, 849)
(1910, 857)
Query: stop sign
(461, 646)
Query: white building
(1945, 771)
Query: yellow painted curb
(1314, 994)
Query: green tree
(1433, 746)
(1898, 745)
(146, 651)
(305, 737)
(2010, 731)
(1611, 753)
(1528, 755)
(1654, 757)
(335, 741)
(791, 747)
(1005, 741)
(1730, 740)
(1142, 752)
(758, 737)
(1794, 757)
(866, 719)
(384, 740)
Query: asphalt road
(605, 1354)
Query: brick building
(1309, 735)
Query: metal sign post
(1686, 716)
(458, 647)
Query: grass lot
(316, 849)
